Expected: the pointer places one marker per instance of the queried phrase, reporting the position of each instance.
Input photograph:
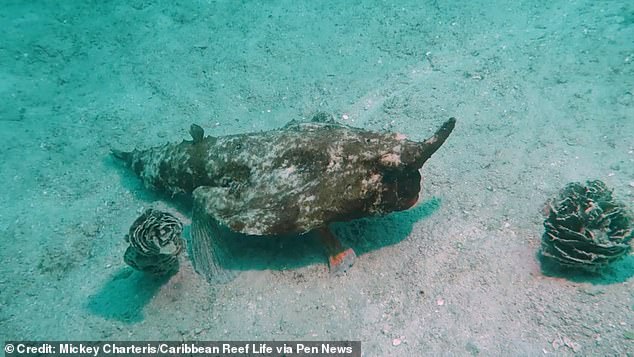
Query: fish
(291, 180)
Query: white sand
(543, 93)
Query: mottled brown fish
(291, 180)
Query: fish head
(386, 172)
(399, 189)
(400, 166)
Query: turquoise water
(543, 96)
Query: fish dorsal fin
(319, 117)
(291, 123)
(197, 133)
(323, 117)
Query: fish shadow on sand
(125, 295)
(293, 251)
(618, 272)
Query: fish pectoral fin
(211, 255)
(232, 210)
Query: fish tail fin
(210, 254)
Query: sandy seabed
(543, 92)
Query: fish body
(293, 179)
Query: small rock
(396, 342)
(592, 292)
(574, 346)
(472, 348)
(440, 302)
